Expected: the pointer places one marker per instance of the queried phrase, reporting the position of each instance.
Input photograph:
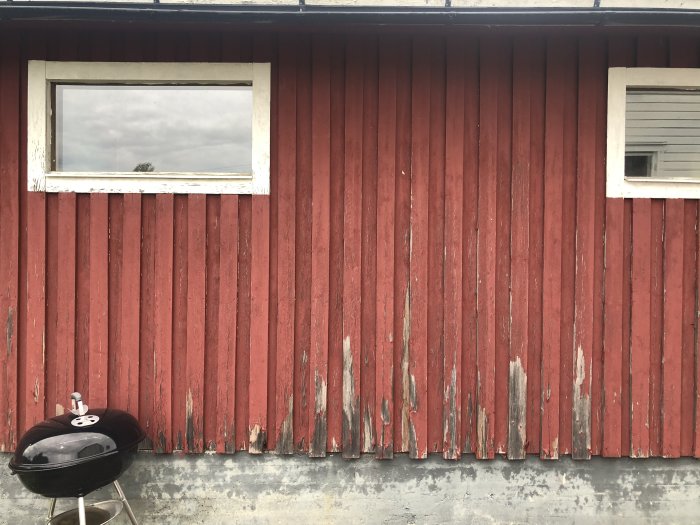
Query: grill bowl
(58, 459)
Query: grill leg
(52, 508)
(126, 503)
(81, 510)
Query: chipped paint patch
(385, 445)
(517, 416)
(482, 433)
(351, 430)
(35, 390)
(317, 445)
(285, 439)
(258, 439)
(60, 409)
(581, 443)
(189, 423)
(405, 389)
(450, 433)
(368, 428)
(10, 329)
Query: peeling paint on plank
(258, 439)
(482, 433)
(368, 427)
(405, 406)
(581, 410)
(450, 435)
(10, 329)
(351, 416)
(285, 440)
(517, 414)
(385, 444)
(317, 445)
(189, 423)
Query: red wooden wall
(437, 268)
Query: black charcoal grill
(71, 455)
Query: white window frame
(619, 80)
(42, 74)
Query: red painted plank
(65, 299)
(9, 235)
(226, 327)
(82, 296)
(98, 335)
(34, 394)
(470, 198)
(177, 364)
(163, 325)
(352, 252)
(454, 219)
(402, 246)
(369, 241)
(128, 368)
(302, 236)
(436, 247)
(386, 202)
(552, 257)
(336, 261)
(243, 349)
(320, 247)
(585, 255)
(568, 77)
(614, 314)
(520, 250)
(259, 322)
(503, 240)
(415, 371)
(534, 351)
(212, 387)
(486, 279)
(640, 327)
(196, 286)
(286, 202)
(673, 328)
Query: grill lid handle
(76, 401)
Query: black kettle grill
(71, 455)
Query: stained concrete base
(272, 489)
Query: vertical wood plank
(585, 262)
(536, 241)
(179, 322)
(520, 250)
(65, 299)
(640, 327)
(226, 340)
(196, 284)
(99, 292)
(436, 379)
(286, 201)
(454, 217)
(352, 248)
(470, 228)
(486, 279)
(212, 387)
(369, 241)
(415, 377)
(674, 223)
(386, 202)
(82, 296)
(243, 349)
(320, 246)
(503, 240)
(259, 323)
(163, 324)
(130, 305)
(552, 261)
(9, 235)
(402, 247)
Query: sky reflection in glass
(174, 128)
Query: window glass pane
(665, 125)
(153, 128)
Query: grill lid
(69, 439)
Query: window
(653, 133)
(148, 127)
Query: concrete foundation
(211, 489)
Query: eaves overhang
(325, 15)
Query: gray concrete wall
(271, 489)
